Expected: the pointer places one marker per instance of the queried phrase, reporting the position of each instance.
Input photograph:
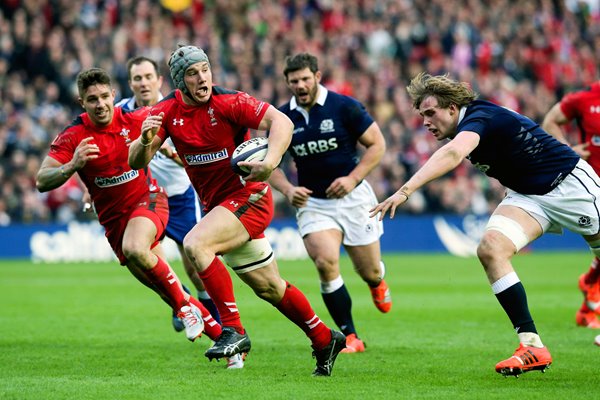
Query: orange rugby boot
(354, 344)
(587, 319)
(526, 358)
(382, 297)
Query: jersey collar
(461, 114)
(320, 99)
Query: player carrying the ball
(206, 123)
(131, 207)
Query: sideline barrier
(85, 242)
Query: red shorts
(154, 206)
(254, 210)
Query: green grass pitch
(90, 331)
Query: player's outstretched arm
(390, 204)
(143, 148)
(444, 160)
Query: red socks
(295, 306)
(211, 327)
(219, 286)
(165, 280)
(163, 277)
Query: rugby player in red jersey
(584, 107)
(206, 123)
(130, 206)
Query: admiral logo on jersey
(116, 180)
(198, 159)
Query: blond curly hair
(447, 91)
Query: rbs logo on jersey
(315, 147)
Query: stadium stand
(523, 55)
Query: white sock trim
(530, 339)
(382, 267)
(332, 286)
(505, 282)
(203, 295)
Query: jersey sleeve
(248, 111)
(356, 118)
(477, 123)
(569, 105)
(63, 146)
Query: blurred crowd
(521, 54)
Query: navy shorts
(184, 213)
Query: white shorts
(574, 204)
(349, 214)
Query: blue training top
(324, 140)
(515, 150)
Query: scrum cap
(181, 59)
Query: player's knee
(503, 237)
(135, 252)
(326, 265)
(191, 248)
(485, 250)
(494, 246)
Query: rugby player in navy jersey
(331, 196)
(549, 187)
(206, 123)
(145, 81)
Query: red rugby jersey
(584, 107)
(206, 136)
(113, 185)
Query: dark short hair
(137, 61)
(90, 77)
(300, 61)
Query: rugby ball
(254, 149)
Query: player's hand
(298, 196)
(260, 171)
(341, 187)
(85, 151)
(150, 127)
(582, 150)
(389, 204)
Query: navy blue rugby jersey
(515, 150)
(324, 141)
